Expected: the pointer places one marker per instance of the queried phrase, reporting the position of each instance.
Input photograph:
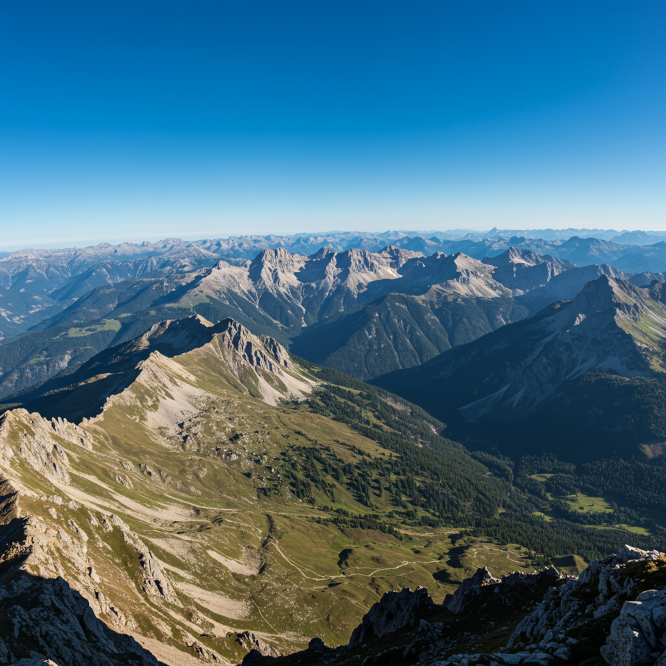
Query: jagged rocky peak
(153, 359)
(322, 253)
(518, 256)
(270, 265)
(178, 336)
(625, 303)
(249, 346)
(228, 264)
(515, 255)
(457, 601)
(523, 271)
(454, 273)
(607, 292)
(398, 255)
(610, 325)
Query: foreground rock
(614, 612)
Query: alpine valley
(341, 449)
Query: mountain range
(63, 275)
(365, 313)
(581, 366)
(193, 468)
(213, 499)
(176, 503)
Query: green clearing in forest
(106, 325)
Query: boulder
(638, 631)
(393, 611)
(457, 601)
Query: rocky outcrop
(262, 352)
(26, 434)
(250, 641)
(156, 583)
(457, 601)
(562, 607)
(256, 646)
(151, 360)
(393, 611)
(279, 353)
(638, 634)
(31, 436)
(559, 611)
(470, 589)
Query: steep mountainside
(568, 284)
(368, 314)
(337, 308)
(34, 289)
(651, 258)
(610, 326)
(71, 273)
(83, 393)
(524, 271)
(19, 311)
(281, 295)
(120, 300)
(399, 331)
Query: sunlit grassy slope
(263, 517)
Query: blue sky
(141, 120)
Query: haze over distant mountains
(352, 301)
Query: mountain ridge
(84, 393)
(611, 325)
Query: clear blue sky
(139, 120)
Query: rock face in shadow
(42, 618)
(469, 587)
(394, 611)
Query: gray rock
(253, 643)
(634, 635)
(59, 624)
(628, 553)
(469, 588)
(393, 611)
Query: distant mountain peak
(608, 292)
(610, 325)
